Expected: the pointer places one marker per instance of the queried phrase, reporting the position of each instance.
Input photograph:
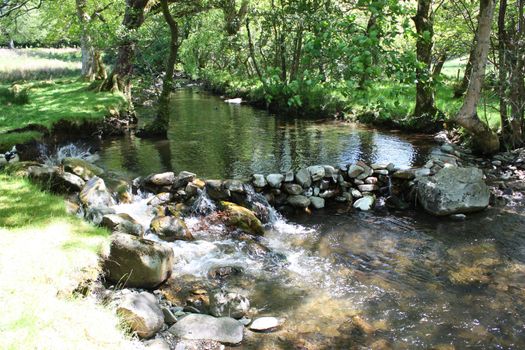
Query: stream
(417, 282)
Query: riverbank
(46, 255)
(34, 110)
(386, 104)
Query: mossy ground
(45, 254)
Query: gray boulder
(259, 180)
(163, 179)
(293, 189)
(317, 202)
(137, 262)
(317, 172)
(453, 191)
(299, 201)
(303, 178)
(141, 313)
(275, 180)
(123, 223)
(197, 326)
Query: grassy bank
(382, 102)
(37, 91)
(45, 254)
(48, 103)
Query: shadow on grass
(24, 205)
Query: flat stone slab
(196, 326)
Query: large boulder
(170, 228)
(55, 179)
(196, 326)
(162, 179)
(242, 218)
(137, 262)
(81, 168)
(141, 313)
(95, 194)
(454, 190)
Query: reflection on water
(219, 140)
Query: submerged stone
(196, 326)
(266, 324)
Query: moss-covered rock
(170, 228)
(81, 168)
(242, 218)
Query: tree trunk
(462, 88)
(424, 88)
(484, 139)
(120, 77)
(86, 43)
(438, 67)
(517, 83)
(503, 73)
(11, 44)
(252, 52)
(159, 127)
(99, 68)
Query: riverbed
(341, 279)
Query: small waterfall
(260, 205)
(203, 204)
(68, 151)
(138, 209)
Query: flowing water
(342, 280)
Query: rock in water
(453, 191)
(275, 180)
(170, 228)
(242, 218)
(266, 324)
(81, 168)
(317, 202)
(95, 194)
(141, 313)
(197, 326)
(299, 201)
(364, 203)
(138, 262)
(303, 178)
(231, 304)
(123, 223)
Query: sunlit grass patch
(45, 254)
(36, 64)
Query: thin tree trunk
(120, 77)
(86, 43)
(503, 72)
(298, 47)
(252, 52)
(438, 67)
(424, 88)
(517, 94)
(485, 140)
(161, 123)
(462, 88)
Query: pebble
(266, 324)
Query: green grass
(50, 102)
(44, 256)
(38, 64)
